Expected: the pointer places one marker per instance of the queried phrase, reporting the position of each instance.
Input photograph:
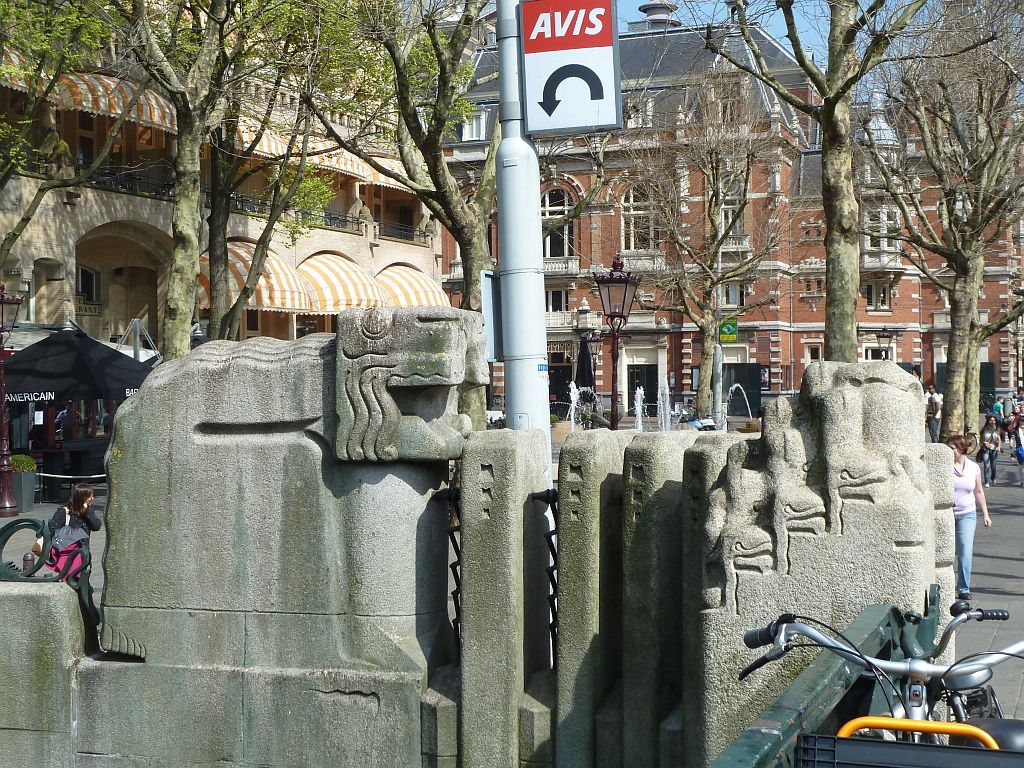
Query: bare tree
(950, 159)
(859, 37)
(695, 173)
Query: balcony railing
(736, 243)
(123, 179)
(562, 265)
(332, 220)
(559, 319)
(880, 259)
(397, 231)
(648, 261)
(455, 272)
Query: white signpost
(570, 66)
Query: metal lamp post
(617, 289)
(9, 306)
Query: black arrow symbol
(586, 74)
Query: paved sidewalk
(997, 581)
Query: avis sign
(570, 66)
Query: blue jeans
(965, 525)
(988, 464)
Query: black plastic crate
(814, 751)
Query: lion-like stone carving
(400, 374)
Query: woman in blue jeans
(991, 447)
(968, 496)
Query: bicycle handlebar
(783, 632)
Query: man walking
(933, 412)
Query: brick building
(901, 315)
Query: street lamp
(9, 306)
(617, 289)
(884, 337)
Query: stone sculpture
(275, 555)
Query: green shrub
(554, 419)
(22, 463)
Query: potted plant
(24, 481)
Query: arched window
(562, 242)
(638, 230)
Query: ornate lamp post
(617, 289)
(884, 337)
(9, 306)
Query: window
(812, 353)
(475, 128)
(560, 243)
(87, 285)
(877, 295)
(557, 301)
(638, 230)
(731, 213)
(874, 353)
(733, 294)
(879, 224)
(814, 285)
(640, 113)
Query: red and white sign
(569, 72)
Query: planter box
(24, 490)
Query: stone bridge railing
(277, 567)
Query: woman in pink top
(968, 496)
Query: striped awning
(336, 283)
(272, 145)
(12, 74)
(376, 177)
(280, 289)
(406, 286)
(95, 93)
(108, 96)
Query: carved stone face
(400, 372)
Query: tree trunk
(842, 249)
(705, 397)
(183, 271)
(220, 213)
(475, 252)
(963, 306)
(972, 384)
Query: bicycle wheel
(972, 443)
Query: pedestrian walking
(991, 447)
(933, 412)
(968, 496)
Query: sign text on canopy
(569, 72)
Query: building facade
(98, 253)
(902, 316)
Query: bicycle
(915, 685)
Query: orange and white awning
(337, 283)
(376, 177)
(406, 286)
(320, 153)
(280, 288)
(14, 66)
(108, 96)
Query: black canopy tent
(70, 365)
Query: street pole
(716, 371)
(8, 504)
(615, 373)
(520, 243)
